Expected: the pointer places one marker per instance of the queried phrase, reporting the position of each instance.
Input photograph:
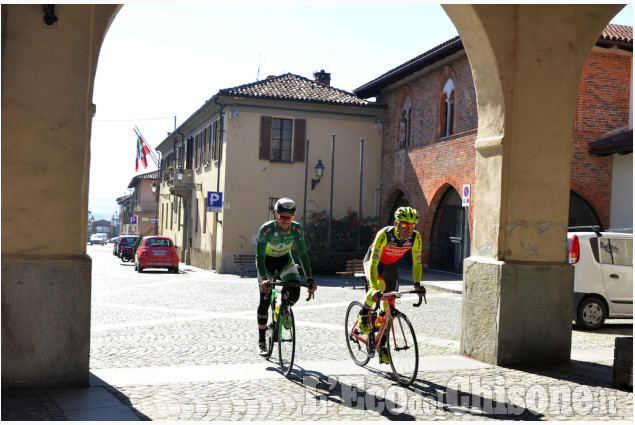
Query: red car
(156, 252)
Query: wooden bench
(354, 269)
(245, 262)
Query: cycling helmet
(285, 205)
(407, 214)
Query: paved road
(183, 347)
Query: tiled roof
(294, 87)
(620, 143)
(621, 33)
(152, 175)
(613, 35)
(372, 88)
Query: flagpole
(152, 156)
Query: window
(447, 109)
(405, 124)
(282, 139)
(197, 146)
(614, 251)
(196, 217)
(215, 141)
(189, 155)
(204, 208)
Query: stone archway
(49, 59)
(526, 62)
(48, 70)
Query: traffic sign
(465, 195)
(133, 219)
(215, 202)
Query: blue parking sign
(215, 199)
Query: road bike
(281, 328)
(400, 339)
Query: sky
(160, 62)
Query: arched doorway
(400, 201)
(450, 236)
(581, 213)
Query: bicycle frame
(282, 329)
(375, 341)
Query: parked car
(99, 238)
(128, 241)
(115, 243)
(603, 283)
(156, 252)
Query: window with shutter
(282, 140)
(299, 137)
(265, 138)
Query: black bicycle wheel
(271, 327)
(286, 340)
(356, 341)
(403, 350)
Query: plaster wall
(622, 200)
(248, 187)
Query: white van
(603, 285)
(100, 238)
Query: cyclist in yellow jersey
(380, 263)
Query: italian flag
(142, 151)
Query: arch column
(526, 63)
(47, 85)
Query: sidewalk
(98, 402)
(245, 387)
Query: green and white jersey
(273, 242)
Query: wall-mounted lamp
(319, 172)
(50, 18)
(179, 176)
(153, 188)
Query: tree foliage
(344, 239)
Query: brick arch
(446, 74)
(592, 198)
(437, 193)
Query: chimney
(322, 77)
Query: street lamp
(319, 172)
(179, 176)
(153, 188)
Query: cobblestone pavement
(183, 347)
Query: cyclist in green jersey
(273, 255)
(380, 263)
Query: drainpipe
(186, 218)
(221, 130)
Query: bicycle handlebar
(399, 294)
(279, 283)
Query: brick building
(430, 132)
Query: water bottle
(380, 319)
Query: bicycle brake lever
(311, 295)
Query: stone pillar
(48, 69)
(526, 62)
